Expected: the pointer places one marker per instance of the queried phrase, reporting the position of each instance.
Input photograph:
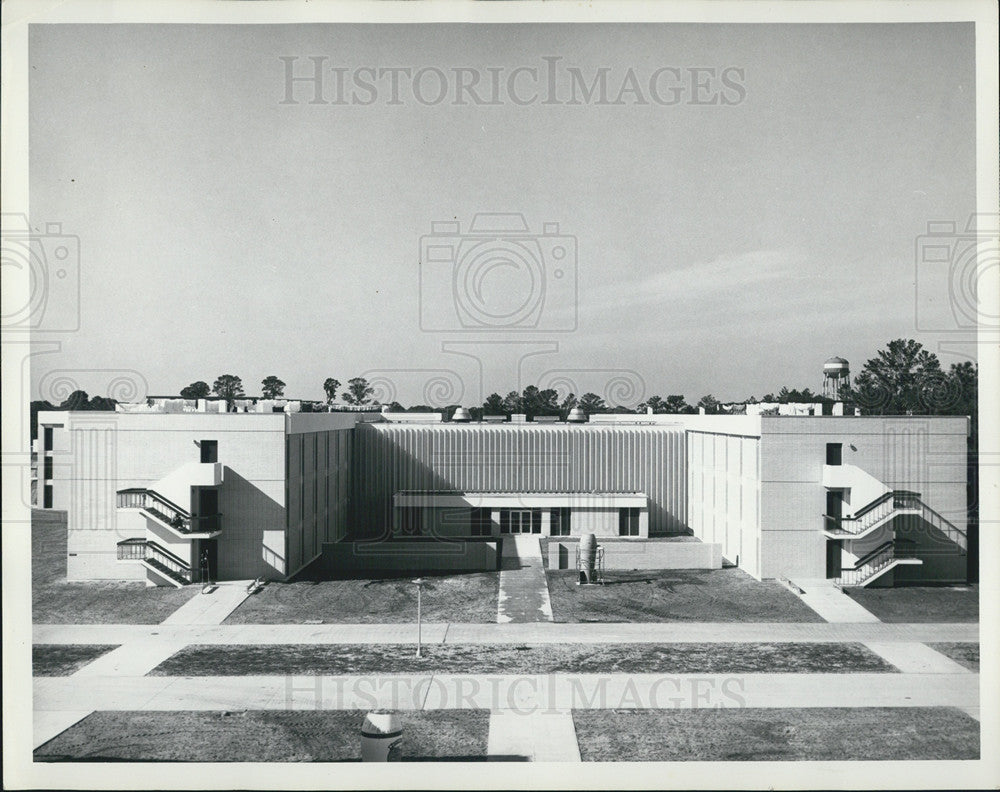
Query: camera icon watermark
(437, 388)
(497, 277)
(958, 276)
(41, 274)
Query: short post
(419, 582)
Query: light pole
(419, 582)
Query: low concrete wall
(640, 554)
(412, 555)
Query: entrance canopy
(519, 500)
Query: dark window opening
(834, 453)
(628, 522)
(482, 524)
(47, 497)
(560, 521)
(47, 468)
(209, 450)
(48, 438)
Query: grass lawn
(63, 660)
(222, 660)
(966, 654)
(717, 595)
(446, 598)
(262, 736)
(920, 603)
(752, 734)
(54, 601)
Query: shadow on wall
(943, 560)
(250, 518)
(474, 467)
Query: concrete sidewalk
(831, 602)
(528, 633)
(141, 650)
(213, 607)
(518, 694)
(524, 590)
(535, 736)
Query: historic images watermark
(522, 694)
(957, 267)
(320, 80)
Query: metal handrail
(148, 550)
(886, 504)
(167, 511)
(877, 562)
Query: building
(173, 497)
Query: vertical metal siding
(394, 457)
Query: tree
(676, 404)
(653, 403)
(591, 403)
(494, 405)
(196, 390)
(568, 404)
(512, 403)
(272, 387)
(228, 387)
(709, 403)
(77, 400)
(539, 402)
(358, 391)
(330, 387)
(902, 379)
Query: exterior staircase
(874, 564)
(171, 568)
(887, 507)
(168, 514)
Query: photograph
(589, 388)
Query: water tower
(836, 377)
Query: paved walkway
(139, 653)
(211, 608)
(535, 736)
(523, 694)
(831, 603)
(524, 591)
(529, 633)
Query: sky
(226, 226)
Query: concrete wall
(926, 454)
(113, 451)
(318, 474)
(412, 556)
(529, 459)
(637, 554)
(724, 495)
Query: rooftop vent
(576, 415)
(461, 416)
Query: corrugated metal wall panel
(394, 457)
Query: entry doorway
(833, 558)
(208, 560)
(521, 521)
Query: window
(481, 522)
(560, 522)
(209, 450)
(48, 438)
(834, 453)
(47, 497)
(628, 522)
(521, 521)
(47, 469)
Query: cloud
(728, 277)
